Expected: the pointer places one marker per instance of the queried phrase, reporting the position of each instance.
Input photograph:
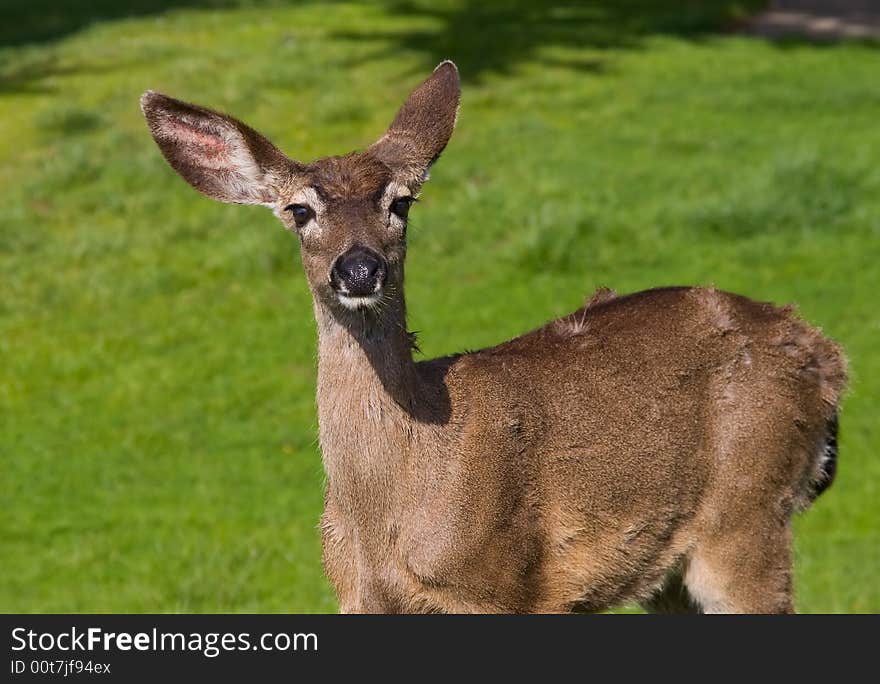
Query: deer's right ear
(216, 154)
(423, 125)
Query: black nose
(359, 272)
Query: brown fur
(649, 447)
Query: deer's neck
(367, 390)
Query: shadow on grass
(28, 22)
(491, 36)
(484, 36)
(494, 36)
(29, 75)
(37, 21)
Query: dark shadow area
(28, 76)
(495, 36)
(35, 21)
(492, 35)
(26, 22)
(418, 388)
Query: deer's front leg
(358, 588)
(340, 560)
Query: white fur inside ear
(213, 155)
(213, 145)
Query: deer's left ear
(216, 154)
(423, 125)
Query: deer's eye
(301, 213)
(400, 206)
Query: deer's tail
(826, 465)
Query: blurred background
(157, 350)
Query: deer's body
(577, 466)
(649, 447)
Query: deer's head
(349, 212)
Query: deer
(649, 448)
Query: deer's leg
(743, 570)
(764, 438)
(357, 589)
(339, 561)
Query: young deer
(650, 447)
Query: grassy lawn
(157, 420)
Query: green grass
(157, 422)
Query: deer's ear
(216, 154)
(423, 125)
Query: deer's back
(648, 371)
